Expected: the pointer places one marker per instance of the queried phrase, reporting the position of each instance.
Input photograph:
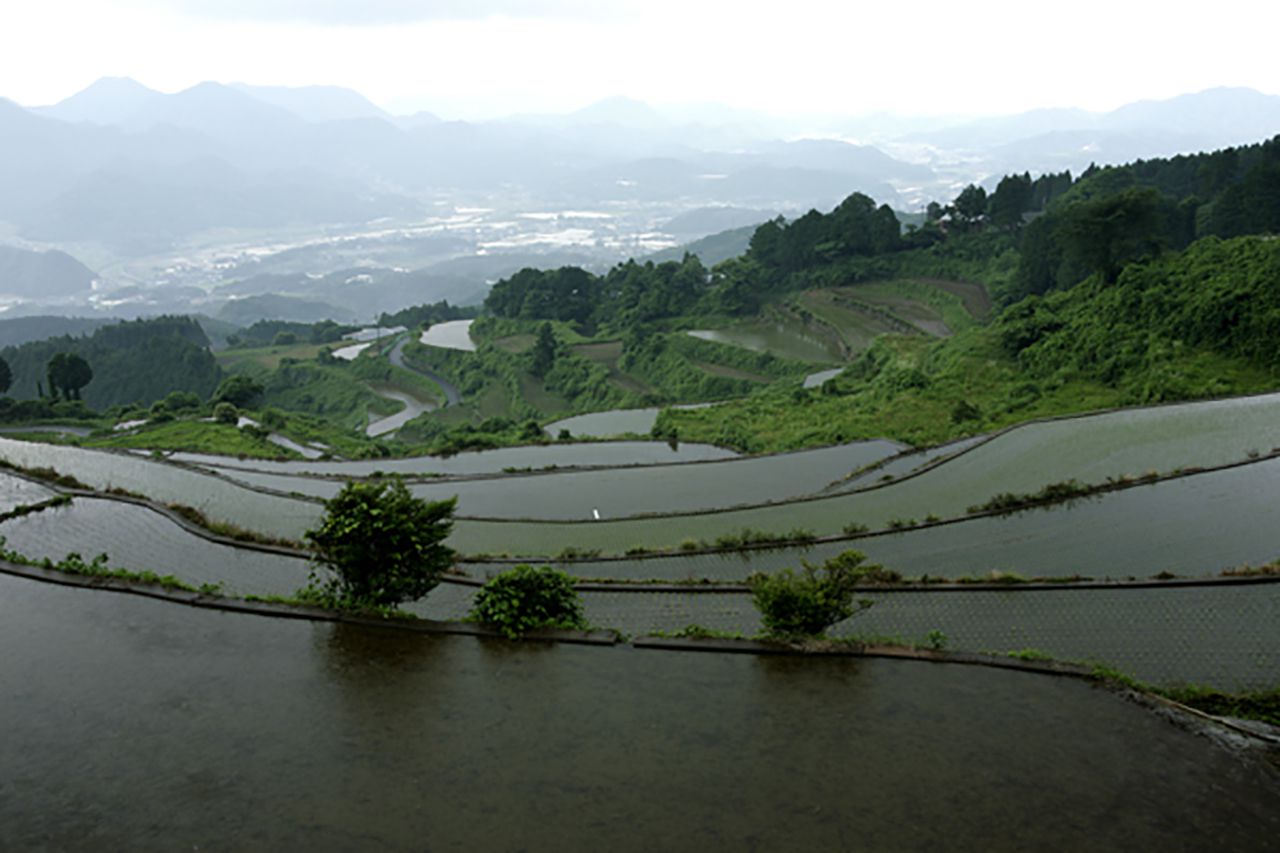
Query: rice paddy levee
(1211, 632)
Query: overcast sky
(473, 58)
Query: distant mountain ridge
(1048, 140)
(139, 172)
(26, 273)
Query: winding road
(413, 406)
(451, 395)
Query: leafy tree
(68, 373)
(524, 599)
(382, 545)
(6, 377)
(807, 603)
(1011, 199)
(971, 205)
(1108, 232)
(239, 390)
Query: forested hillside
(138, 361)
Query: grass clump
(75, 564)
(226, 528)
(1053, 493)
(27, 509)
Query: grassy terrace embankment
(1190, 325)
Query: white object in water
(596, 513)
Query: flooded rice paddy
(614, 422)
(1221, 634)
(604, 424)
(1022, 460)
(1237, 499)
(139, 724)
(454, 334)
(587, 454)
(612, 493)
(786, 340)
(15, 492)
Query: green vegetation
(381, 545)
(283, 333)
(807, 603)
(429, 315)
(699, 632)
(136, 361)
(1053, 493)
(27, 509)
(223, 528)
(194, 436)
(1263, 705)
(74, 564)
(1030, 655)
(68, 373)
(331, 390)
(524, 599)
(1189, 325)
(48, 475)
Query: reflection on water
(131, 723)
(782, 339)
(603, 424)
(454, 334)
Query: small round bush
(524, 599)
(226, 413)
(807, 603)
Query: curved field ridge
(219, 499)
(1021, 460)
(1155, 632)
(615, 492)
(471, 463)
(16, 492)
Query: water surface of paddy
(135, 724)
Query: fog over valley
(198, 199)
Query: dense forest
(138, 361)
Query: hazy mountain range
(330, 182)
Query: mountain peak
(108, 100)
(619, 109)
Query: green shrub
(523, 599)
(382, 545)
(806, 603)
(226, 413)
